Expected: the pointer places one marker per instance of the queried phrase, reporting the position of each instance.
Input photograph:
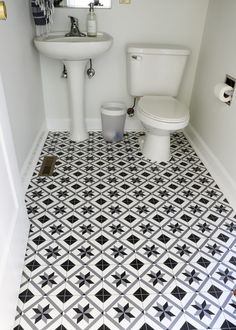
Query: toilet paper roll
(223, 92)
(3, 11)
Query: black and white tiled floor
(119, 242)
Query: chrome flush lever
(137, 57)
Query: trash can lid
(113, 109)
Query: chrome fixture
(64, 72)
(57, 3)
(90, 71)
(97, 3)
(130, 111)
(74, 29)
(231, 81)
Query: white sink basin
(57, 46)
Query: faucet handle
(73, 19)
(97, 3)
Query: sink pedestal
(75, 53)
(75, 70)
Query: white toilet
(154, 75)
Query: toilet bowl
(160, 115)
(154, 74)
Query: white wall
(20, 69)
(13, 222)
(20, 74)
(158, 21)
(213, 121)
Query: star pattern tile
(119, 242)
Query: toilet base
(155, 147)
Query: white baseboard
(215, 167)
(63, 124)
(32, 158)
(94, 124)
(59, 125)
(132, 124)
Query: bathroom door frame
(13, 221)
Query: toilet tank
(155, 69)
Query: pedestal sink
(74, 52)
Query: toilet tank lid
(149, 48)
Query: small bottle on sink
(91, 22)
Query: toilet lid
(163, 108)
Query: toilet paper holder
(231, 81)
(224, 91)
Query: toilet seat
(164, 109)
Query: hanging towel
(42, 11)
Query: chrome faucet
(74, 29)
(97, 3)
